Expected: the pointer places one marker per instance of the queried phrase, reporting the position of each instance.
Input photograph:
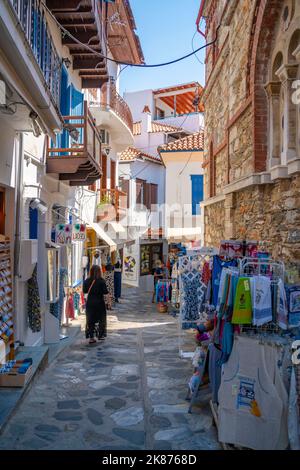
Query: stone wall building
(252, 123)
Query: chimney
(146, 119)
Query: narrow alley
(126, 393)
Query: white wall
(137, 101)
(7, 155)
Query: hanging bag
(87, 295)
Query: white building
(161, 116)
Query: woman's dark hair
(95, 272)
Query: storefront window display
(149, 255)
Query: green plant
(104, 200)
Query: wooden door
(104, 172)
(112, 174)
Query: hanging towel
(34, 303)
(242, 310)
(261, 300)
(293, 298)
(282, 306)
(227, 342)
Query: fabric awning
(101, 234)
(117, 227)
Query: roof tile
(191, 142)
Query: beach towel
(242, 310)
(282, 306)
(261, 300)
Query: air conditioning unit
(104, 136)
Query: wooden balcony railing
(112, 205)
(109, 98)
(76, 154)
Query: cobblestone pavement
(126, 393)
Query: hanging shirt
(218, 265)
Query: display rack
(190, 263)
(6, 298)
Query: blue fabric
(293, 299)
(218, 265)
(117, 284)
(227, 342)
(192, 296)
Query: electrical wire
(163, 64)
(200, 62)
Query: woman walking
(95, 288)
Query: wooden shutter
(147, 195)
(139, 185)
(112, 174)
(154, 193)
(125, 188)
(104, 171)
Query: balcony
(30, 63)
(76, 154)
(112, 112)
(84, 21)
(112, 205)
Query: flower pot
(162, 308)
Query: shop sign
(131, 265)
(68, 233)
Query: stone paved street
(128, 393)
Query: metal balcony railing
(109, 98)
(34, 25)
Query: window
(140, 191)
(124, 184)
(160, 114)
(197, 193)
(153, 194)
(149, 255)
(112, 174)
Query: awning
(179, 233)
(117, 227)
(101, 234)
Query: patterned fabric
(206, 273)
(57, 309)
(192, 295)
(34, 303)
(110, 297)
(70, 313)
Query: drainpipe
(200, 14)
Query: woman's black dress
(95, 307)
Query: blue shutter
(65, 105)
(33, 224)
(77, 108)
(197, 193)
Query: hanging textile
(293, 299)
(163, 290)
(192, 295)
(57, 309)
(110, 297)
(34, 303)
(281, 306)
(242, 309)
(218, 265)
(261, 300)
(70, 312)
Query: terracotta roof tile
(191, 142)
(155, 127)
(137, 128)
(132, 153)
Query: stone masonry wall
(270, 213)
(241, 147)
(214, 228)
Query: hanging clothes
(293, 299)
(192, 295)
(281, 306)
(261, 300)
(34, 303)
(110, 297)
(218, 265)
(242, 309)
(250, 408)
(163, 290)
(70, 312)
(56, 309)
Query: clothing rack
(189, 263)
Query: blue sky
(165, 29)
